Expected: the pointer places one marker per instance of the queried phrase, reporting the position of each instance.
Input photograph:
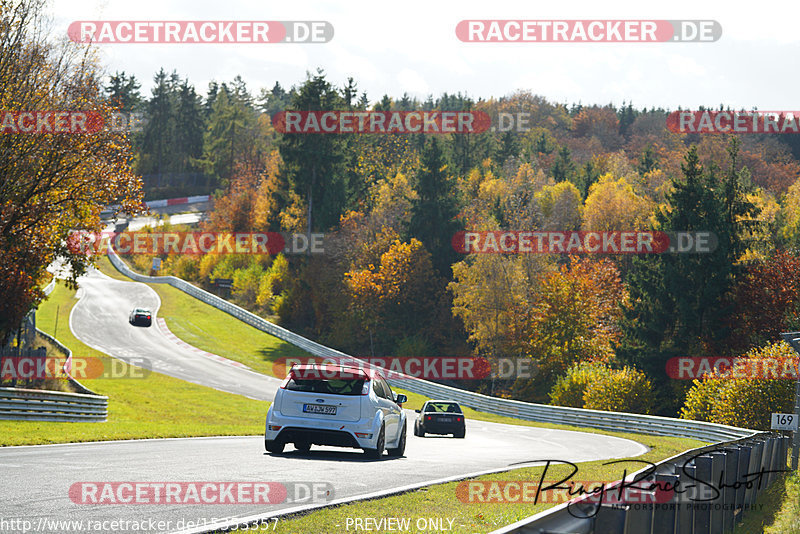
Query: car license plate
(319, 408)
(446, 418)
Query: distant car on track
(440, 417)
(338, 406)
(140, 317)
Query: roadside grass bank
(442, 503)
(215, 331)
(158, 406)
(777, 509)
(207, 328)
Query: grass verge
(442, 503)
(156, 407)
(777, 510)
(213, 330)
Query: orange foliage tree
(574, 316)
(51, 183)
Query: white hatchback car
(338, 406)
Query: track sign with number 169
(784, 421)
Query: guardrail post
(717, 505)
(767, 461)
(729, 492)
(686, 500)
(702, 509)
(742, 493)
(640, 517)
(793, 339)
(755, 465)
(610, 519)
(664, 513)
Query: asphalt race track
(100, 319)
(37, 479)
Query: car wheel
(272, 446)
(460, 433)
(421, 432)
(302, 446)
(401, 446)
(377, 452)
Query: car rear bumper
(333, 433)
(315, 436)
(443, 428)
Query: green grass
(441, 501)
(777, 510)
(205, 327)
(215, 331)
(156, 407)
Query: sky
(411, 46)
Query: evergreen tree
(627, 115)
(273, 101)
(313, 163)
(189, 128)
(433, 219)
(678, 300)
(647, 161)
(508, 147)
(123, 91)
(563, 167)
(159, 128)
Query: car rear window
(442, 407)
(328, 386)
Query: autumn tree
(51, 183)
(573, 317)
(766, 300)
(612, 205)
(561, 206)
(397, 297)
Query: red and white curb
(177, 201)
(162, 325)
(163, 203)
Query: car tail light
(458, 419)
(274, 427)
(428, 417)
(363, 435)
(148, 316)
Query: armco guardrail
(736, 451)
(614, 421)
(717, 485)
(43, 405)
(50, 287)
